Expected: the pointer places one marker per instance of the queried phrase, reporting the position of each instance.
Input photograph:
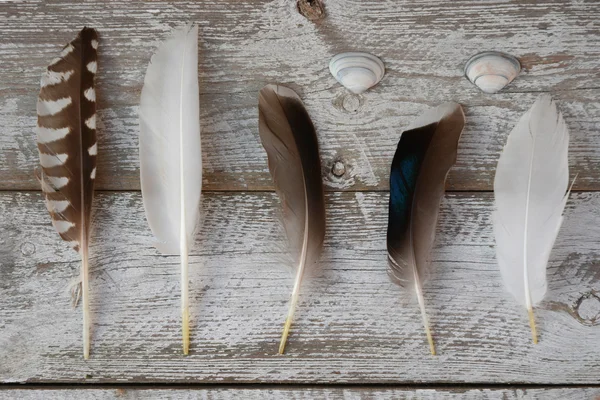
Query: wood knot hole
(313, 10)
(351, 103)
(587, 308)
(338, 169)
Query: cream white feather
(530, 190)
(170, 155)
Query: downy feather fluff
(530, 194)
(66, 138)
(170, 156)
(425, 154)
(289, 137)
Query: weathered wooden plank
(352, 326)
(309, 393)
(245, 44)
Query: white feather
(170, 156)
(530, 193)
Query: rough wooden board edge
(261, 392)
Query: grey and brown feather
(66, 137)
(289, 137)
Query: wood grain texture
(225, 393)
(353, 325)
(246, 44)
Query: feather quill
(170, 154)
(425, 154)
(289, 137)
(530, 190)
(66, 139)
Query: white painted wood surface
(352, 325)
(244, 45)
(126, 393)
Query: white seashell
(357, 71)
(491, 71)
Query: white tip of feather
(95, 44)
(93, 174)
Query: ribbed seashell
(357, 71)
(491, 71)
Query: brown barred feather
(66, 136)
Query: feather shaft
(185, 307)
(297, 281)
(293, 301)
(421, 301)
(85, 302)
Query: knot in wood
(338, 169)
(27, 248)
(313, 10)
(587, 309)
(351, 103)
